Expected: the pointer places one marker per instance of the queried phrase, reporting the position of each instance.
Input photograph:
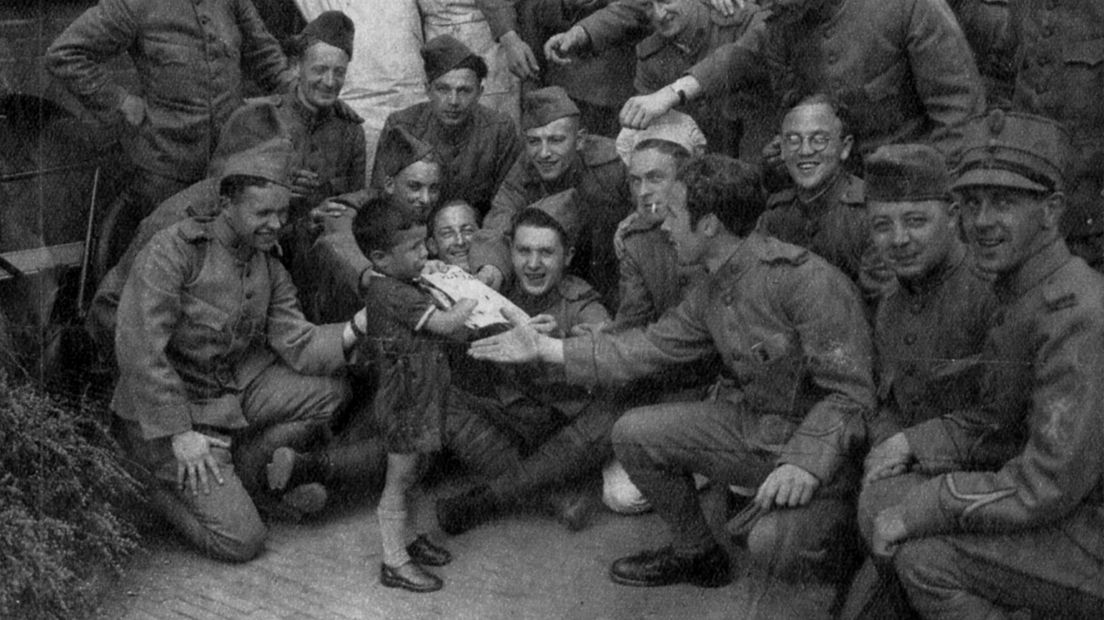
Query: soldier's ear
(847, 143)
(224, 202)
(431, 245)
(580, 138)
(1054, 206)
(389, 186)
(569, 254)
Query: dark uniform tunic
(410, 364)
(833, 223)
(1020, 519)
(722, 117)
(189, 56)
(474, 158)
(326, 144)
(1059, 67)
(534, 430)
(601, 197)
(903, 67)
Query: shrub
(62, 490)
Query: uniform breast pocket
(1082, 80)
(202, 332)
(173, 74)
(775, 369)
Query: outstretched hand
(517, 346)
(787, 486)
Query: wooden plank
(40, 259)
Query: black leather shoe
(424, 552)
(411, 577)
(460, 513)
(661, 567)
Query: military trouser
(283, 408)
(877, 593)
(989, 575)
(662, 446)
(526, 447)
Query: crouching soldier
(786, 416)
(218, 367)
(1012, 516)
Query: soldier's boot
(289, 469)
(577, 450)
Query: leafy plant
(62, 493)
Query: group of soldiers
(837, 266)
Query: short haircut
(431, 220)
(728, 188)
(234, 185)
(671, 149)
(842, 112)
(536, 218)
(377, 224)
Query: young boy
(401, 341)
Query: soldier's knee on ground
(926, 565)
(801, 544)
(243, 542)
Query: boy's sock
(392, 519)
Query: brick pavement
(520, 567)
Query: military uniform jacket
(928, 336)
(189, 56)
(474, 159)
(834, 225)
(200, 317)
(660, 61)
(651, 279)
(330, 146)
(1042, 396)
(790, 330)
(573, 303)
(601, 196)
(903, 67)
(1059, 63)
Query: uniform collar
(954, 261)
(312, 118)
(227, 238)
(816, 202)
(1035, 269)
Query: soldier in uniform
(902, 67)
(329, 147)
(823, 210)
(598, 83)
(533, 434)
(928, 331)
(681, 33)
(1059, 73)
(190, 59)
(786, 415)
(476, 145)
(560, 155)
(1011, 512)
(215, 357)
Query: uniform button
(910, 338)
(249, 294)
(203, 19)
(833, 58)
(828, 32)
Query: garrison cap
(673, 126)
(445, 53)
(906, 173)
(398, 148)
(1012, 149)
(544, 105)
(333, 28)
(565, 210)
(255, 142)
